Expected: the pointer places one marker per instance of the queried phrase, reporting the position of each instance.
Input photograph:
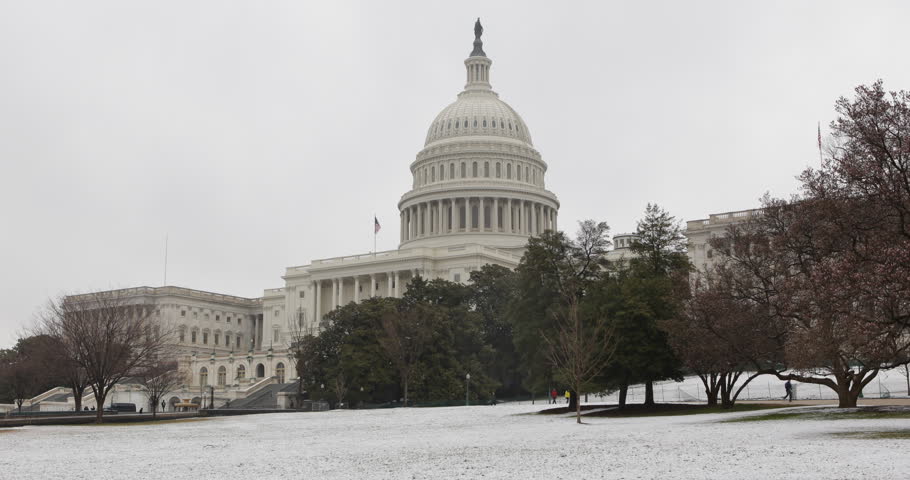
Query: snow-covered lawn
(455, 442)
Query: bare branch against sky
(260, 135)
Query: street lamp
(467, 388)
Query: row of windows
(523, 172)
(227, 318)
(241, 374)
(462, 123)
(194, 337)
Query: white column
(440, 217)
(401, 231)
(372, 285)
(495, 223)
(468, 215)
(533, 218)
(341, 291)
(508, 212)
(482, 216)
(317, 317)
(334, 292)
(456, 215)
(397, 286)
(522, 218)
(388, 277)
(356, 288)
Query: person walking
(788, 387)
(553, 395)
(568, 396)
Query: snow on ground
(455, 442)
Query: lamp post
(467, 388)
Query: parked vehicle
(121, 407)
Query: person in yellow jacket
(568, 396)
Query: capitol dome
(477, 113)
(478, 180)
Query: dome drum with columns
(478, 178)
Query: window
(203, 376)
(217, 337)
(205, 338)
(276, 313)
(239, 320)
(474, 169)
(509, 171)
(182, 313)
(276, 335)
(302, 293)
(484, 123)
(239, 340)
(279, 372)
(222, 376)
(486, 169)
(193, 336)
(464, 170)
(241, 372)
(494, 123)
(227, 340)
(442, 172)
(457, 278)
(206, 316)
(182, 335)
(527, 177)
(217, 318)
(432, 174)
(228, 319)
(518, 172)
(475, 122)
(498, 170)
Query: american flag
(376, 225)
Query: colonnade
(476, 214)
(361, 289)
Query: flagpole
(374, 235)
(165, 260)
(820, 143)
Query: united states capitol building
(479, 192)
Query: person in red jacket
(553, 395)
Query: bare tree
(158, 379)
(579, 350)
(19, 376)
(109, 335)
(405, 337)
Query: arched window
(534, 176)
(449, 125)
(442, 172)
(182, 334)
(260, 370)
(494, 123)
(239, 340)
(205, 338)
(227, 340)
(203, 376)
(452, 170)
(222, 376)
(498, 170)
(433, 174)
(475, 122)
(510, 125)
(474, 169)
(486, 169)
(484, 123)
(509, 171)
(217, 338)
(193, 336)
(279, 372)
(527, 176)
(241, 372)
(456, 123)
(502, 124)
(464, 170)
(518, 172)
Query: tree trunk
(77, 397)
(405, 391)
(649, 393)
(577, 410)
(573, 400)
(99, 403)
(623, 392)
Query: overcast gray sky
(260, 135)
